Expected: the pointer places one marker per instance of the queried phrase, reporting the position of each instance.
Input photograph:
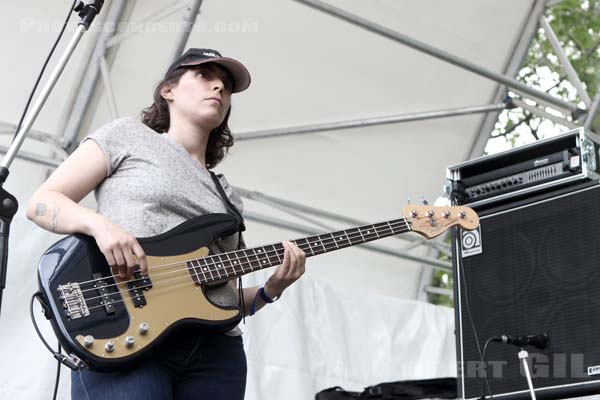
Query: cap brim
(239, 73)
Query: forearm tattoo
(40, 211)
(55, 219)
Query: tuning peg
(424, 201)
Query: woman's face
(202, 95)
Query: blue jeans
(189, 365)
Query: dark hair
(157, 118)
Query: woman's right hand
(121, 249)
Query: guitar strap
(228, 204)
(241, 228)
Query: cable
(459, 269)
(35, 295)
(56, 382)
(71, 362)
(37, 82)
(485, 377)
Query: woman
(148, 177)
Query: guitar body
(110, 323)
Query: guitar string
(164, 289)
(212, 278)
(327, 241)
(160, 266)
(158, 291)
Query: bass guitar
(108, 322)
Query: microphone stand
(523, 355)
(8, 203)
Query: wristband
(265, 297)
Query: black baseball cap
(239, 73)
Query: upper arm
(79, 174)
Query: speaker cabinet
(532, 267)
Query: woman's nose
(217, 85)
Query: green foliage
(444, 280)
(576, 23)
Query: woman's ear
(167, 92)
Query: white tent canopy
(308, 68)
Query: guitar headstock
(431, 221)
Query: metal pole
(37, 159)
(41, 99)
(392, 119)
(527, 34)
(90, 78)
(446, 266)
(441, 54)
(141, 24)
(564, 61)
(538, 111)
(543, 103)
(594, 107)
(43, 137)
(189, 19)
(112, 104)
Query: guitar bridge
(73, 300)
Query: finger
(286, 255)
(110, 259)
(120, 262)
(291, 271)
(299, 258)
(130, 260)
(141, 258)
(118, 256)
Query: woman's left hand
(287, 273)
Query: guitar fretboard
(236, 263)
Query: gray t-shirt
(153, 185)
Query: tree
(576, 23)
(577, 26)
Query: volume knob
(129, 341)
(144, 327)
(88, 341)
(109, 346)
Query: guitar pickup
(105, 295)
(136, 286)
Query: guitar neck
(236, 263)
